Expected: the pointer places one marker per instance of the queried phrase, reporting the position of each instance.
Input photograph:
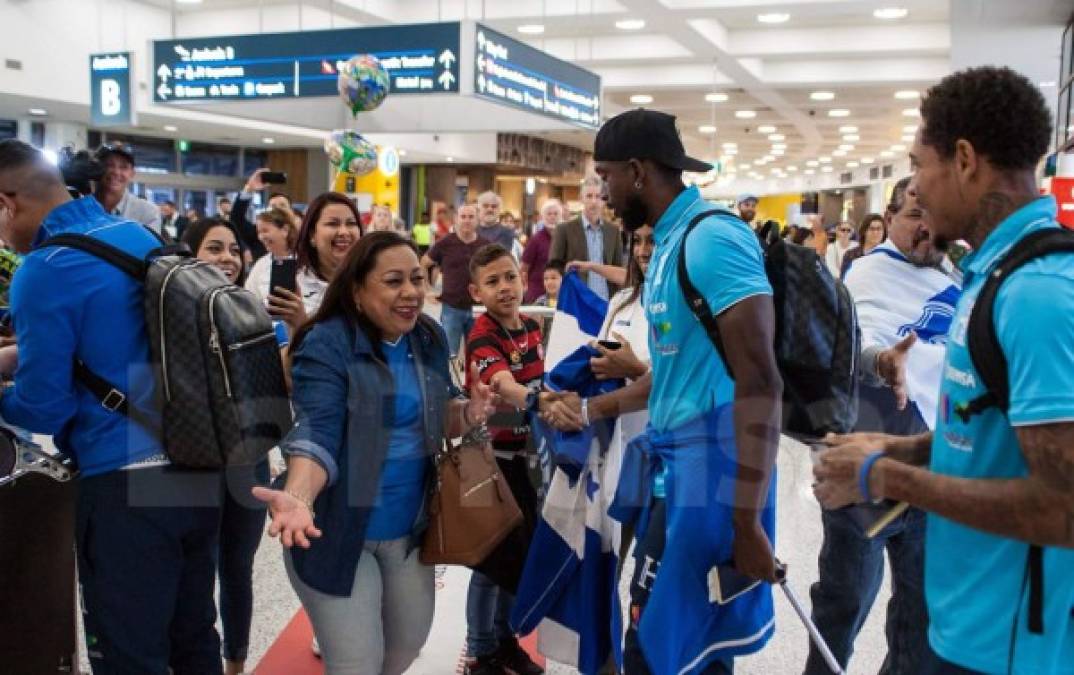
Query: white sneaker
(315, 647)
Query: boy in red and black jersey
(506, 348)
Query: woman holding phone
(242, 517)
(373, 401)
(278, 233)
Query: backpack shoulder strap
(694, 300)
(110, 254)
(989, 361)
(986, 353)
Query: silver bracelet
(585, 412)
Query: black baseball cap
(644, 134)
(115, 148)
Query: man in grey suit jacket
(590, 238)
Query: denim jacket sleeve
(319, 376)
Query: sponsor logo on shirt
(483, 364)
(958, 441)
(960, 377)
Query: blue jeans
(381, 627)
(488, 611)
(146, 540)
(851, 568)
(242, 524)
(457, 324)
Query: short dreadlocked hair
(997, 110)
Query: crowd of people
(981, 547)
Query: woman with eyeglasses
(837, 250)
(872, 231)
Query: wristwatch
(533, 401)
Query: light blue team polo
(725, 263)
(975, 583)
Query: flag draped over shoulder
(568, 589)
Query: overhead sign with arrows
(510, 72)
(420, 58)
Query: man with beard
(112, 189)
(746, 204)
(905, 292)
(488, 226)
(999, 482)
(703, 503)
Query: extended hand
(616, 363)
(836, 471)
(562, 410)
(891, 367)
(291, 518)
(483, 398)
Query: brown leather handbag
(471, 509)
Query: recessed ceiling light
(630, 24)
(898, 147)
(911, 112)
(910, 129)
(730, 144)
(641, 99)
(852, 165)
(866, 160)
(1047, 84)
(809, 172)
(716, 97)
(778, 153)
(774, 17)
(170, 127)
(822, 96)
(907, 95)
(450, 159)
(731, 152)
(891, 13)
(707, 129)
(792, 169)
(779, 146)
(824, 160)
(777, 137)
(745, 114)
(846, 147)
(37, 112)
(849, 129)
(268, 140)
(887, 154)
(766, 129)
(839, 112)
(768, 158)
(839, 153)
(812, 162)
(826, 169)
(908, 138)
(745, 165)
(851, 138)
(531, 28)
(402, 152)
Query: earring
(637, 185)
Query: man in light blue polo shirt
(996, 484)
(705, 465)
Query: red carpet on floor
(290, 654)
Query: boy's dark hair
(557, 266)
(486, 255)
(997, 110)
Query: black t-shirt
(452, 255)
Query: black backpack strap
(111, 398)
(120, 259)
(694, 300)
(989, 361)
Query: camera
(80, 170)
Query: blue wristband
(863, 475)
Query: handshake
(563, 410)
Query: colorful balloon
(363, 83)
(351, 152)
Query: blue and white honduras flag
(568, 591)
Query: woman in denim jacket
(373, 402)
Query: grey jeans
(382, 626)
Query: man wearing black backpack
(704, 508)
(145, 531)
(999, 486)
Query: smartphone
(726, 583)
(274, 177)
(284, 272)
(609, 344)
